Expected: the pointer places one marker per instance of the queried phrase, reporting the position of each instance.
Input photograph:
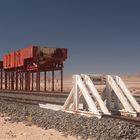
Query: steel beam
(38, 80)
(22, 80)
(32, 81)
(52, 81)
(9, 76)
(45, 78)
(5, 80)
(61, 79)
(12, 80)
(1, 80)
(16, 80)
(27, 81)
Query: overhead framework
(33, 69)
(114, 98)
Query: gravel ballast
(80, 126)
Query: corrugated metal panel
(27, 52)
(16, 59)
(8, 61)
(12, 60)
(34, 54)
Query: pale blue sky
(102, 36)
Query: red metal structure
(22, 69)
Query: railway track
(34, 94)
(33, 97)
(135, 121)
(52, 98)
(38, 97)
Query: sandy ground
(19, 131)
(133, 83)
(14, 131)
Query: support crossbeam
(95, 94)
(119, 94)
(127, 93)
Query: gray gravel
(76, 125)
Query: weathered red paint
(35, 57)
(1, 64)
(21, 70)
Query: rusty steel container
(8, 60)
(34, 56)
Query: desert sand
(20, 131)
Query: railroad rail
(135, 121)
(33, 97)
(56, 98)
(39, 97)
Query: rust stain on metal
(22, 68)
